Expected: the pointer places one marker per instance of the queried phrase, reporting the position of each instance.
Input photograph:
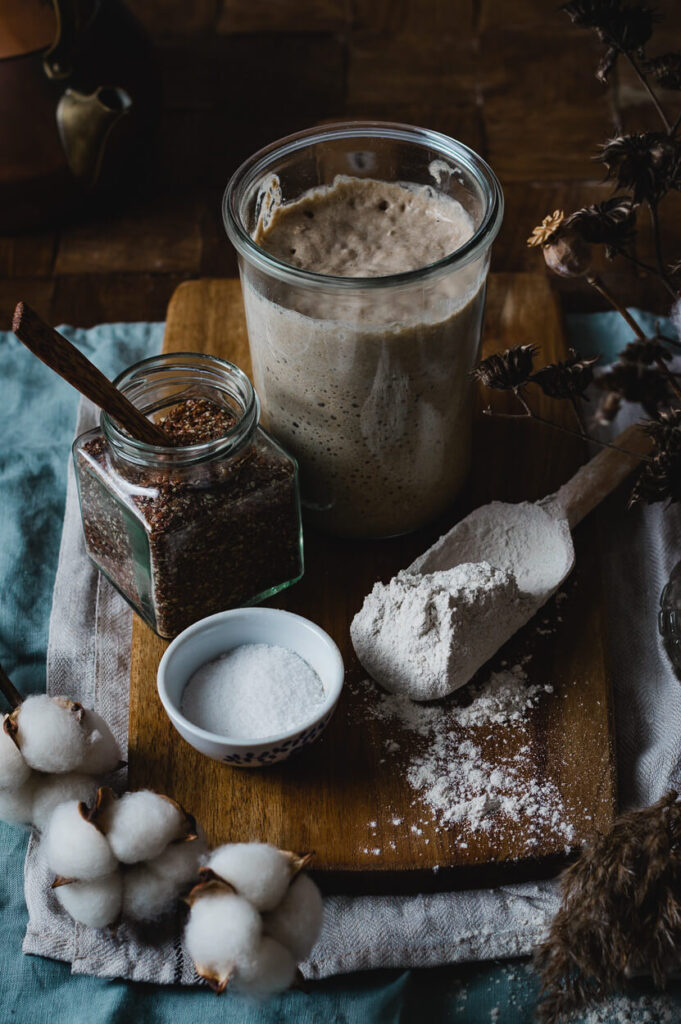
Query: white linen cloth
(89, 658)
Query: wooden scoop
(64, 358)
(532, 540)
(483, 535)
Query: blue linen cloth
(37, 420)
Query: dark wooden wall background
(512, 78)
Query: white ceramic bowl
(209, 638)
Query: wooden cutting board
(342, 796)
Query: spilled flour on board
(449, 770)
(472, 766)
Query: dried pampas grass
(620, 914)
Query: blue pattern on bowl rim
(282, 750)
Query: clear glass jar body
(183, 532)
(367, 380)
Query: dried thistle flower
(592, 13)
(624, 28)
(665, 69)
(646, 352)
(612, 20)
(633, 378)
(611, 223)
(627, 26)
(660, 478)
(620, 911)
(506, 371)
(567, 379)
(647, 163)
(631, 27)
(547, 229)
(636, 382)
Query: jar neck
(250, 182)
(157, 384)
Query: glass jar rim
(223, 372)
(258, 163)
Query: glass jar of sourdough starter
(211, 521)
(362, 365)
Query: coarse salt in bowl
(217, 634)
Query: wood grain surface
(511, 78)
(325, 798)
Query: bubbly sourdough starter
(369, 389)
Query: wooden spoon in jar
(65, 359)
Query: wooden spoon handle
(65, 359)
(599, 476)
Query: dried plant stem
(655, 223)
(616, 101)
(671, 377)
(639, 332)
(650, 270)
(529, 414)
(646, 85)
(675, 126)
(575, 409)
(670, 341)
(9, 690)
(596, 283)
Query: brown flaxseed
(183, 542)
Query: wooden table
(512, 78)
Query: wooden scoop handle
(66, 360)
(595, 480)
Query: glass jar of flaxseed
(210, 522)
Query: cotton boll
(50, 734)
(148, 896)
(101, 750)
(297, 921)
(75, 848)
(140, 825)
(14, 770)
(259, 872)
(272, 969)
(180, 862)
(95, 904)
(52, 790)
(16, 805)
(223, 929)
